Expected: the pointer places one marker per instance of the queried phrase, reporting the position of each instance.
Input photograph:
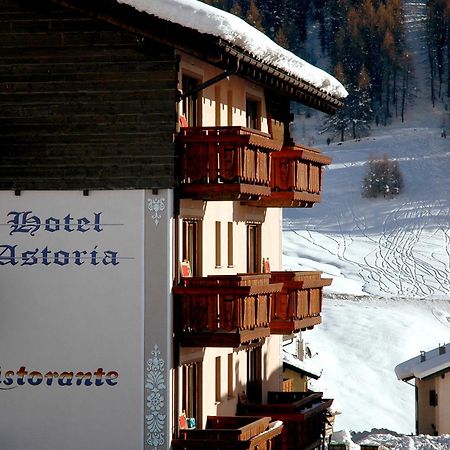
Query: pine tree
(281, 39)
(236, 8)
(254, 16)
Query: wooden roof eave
(278, 80)
(149, 26)
(227, 290)
(205, 46)
(301, 153)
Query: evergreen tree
(236, 8)
(254, 17)
(281, 39)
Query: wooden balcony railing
(225, 163)
(296, 177)
(299, 304)
(303, 415)
(225, 310)
(230, 433)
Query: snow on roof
(204, 18)
(424, 365)
(304, 366)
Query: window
(230, 244)
(218, 381)
(253, 248)
(230, 108)
(254, 375)
(218, 106)
(433, 398)
(218, 245)
(192, 390)
(230, 376)
(191, 103)
(192, 248)
(252, 114)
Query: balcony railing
(225, 310)
(225, 163)
(296, 177)
(230, 433)
(303, 415)
(299, 304)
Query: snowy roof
(204, 18)
(300, 365)
(424, 365)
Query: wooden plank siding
(83, 104)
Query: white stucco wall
(69, 312)
(239, 215)
(270, 220)
(216, 110)
(232, 88)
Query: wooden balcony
(299, 304)
(296, 177)
(230, 433)
(225, 163)
(303, 415)
(223, 311)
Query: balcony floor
(224, 191)
(293, 326)
(232, 339)
(287, 199)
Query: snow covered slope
(389, 257)
(390, 260)
(386, 246)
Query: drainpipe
(416, 397)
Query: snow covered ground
(389, 258)
(390, 261)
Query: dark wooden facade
(83, 104)
(88, 95)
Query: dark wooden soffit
(277, 80)
(207, 47)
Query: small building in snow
(297, 372)
(430, 370)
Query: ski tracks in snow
(406, 251)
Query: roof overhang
(279, 81)
(210, 48)
(300, 371)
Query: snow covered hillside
(389, 258)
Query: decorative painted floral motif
(155, 387)
(156, 206)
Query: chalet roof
(236, 32)
(291, 361)
(424, 365)
(224, 40)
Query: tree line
(365, 44)
(438, 45)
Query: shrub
(383, 177)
